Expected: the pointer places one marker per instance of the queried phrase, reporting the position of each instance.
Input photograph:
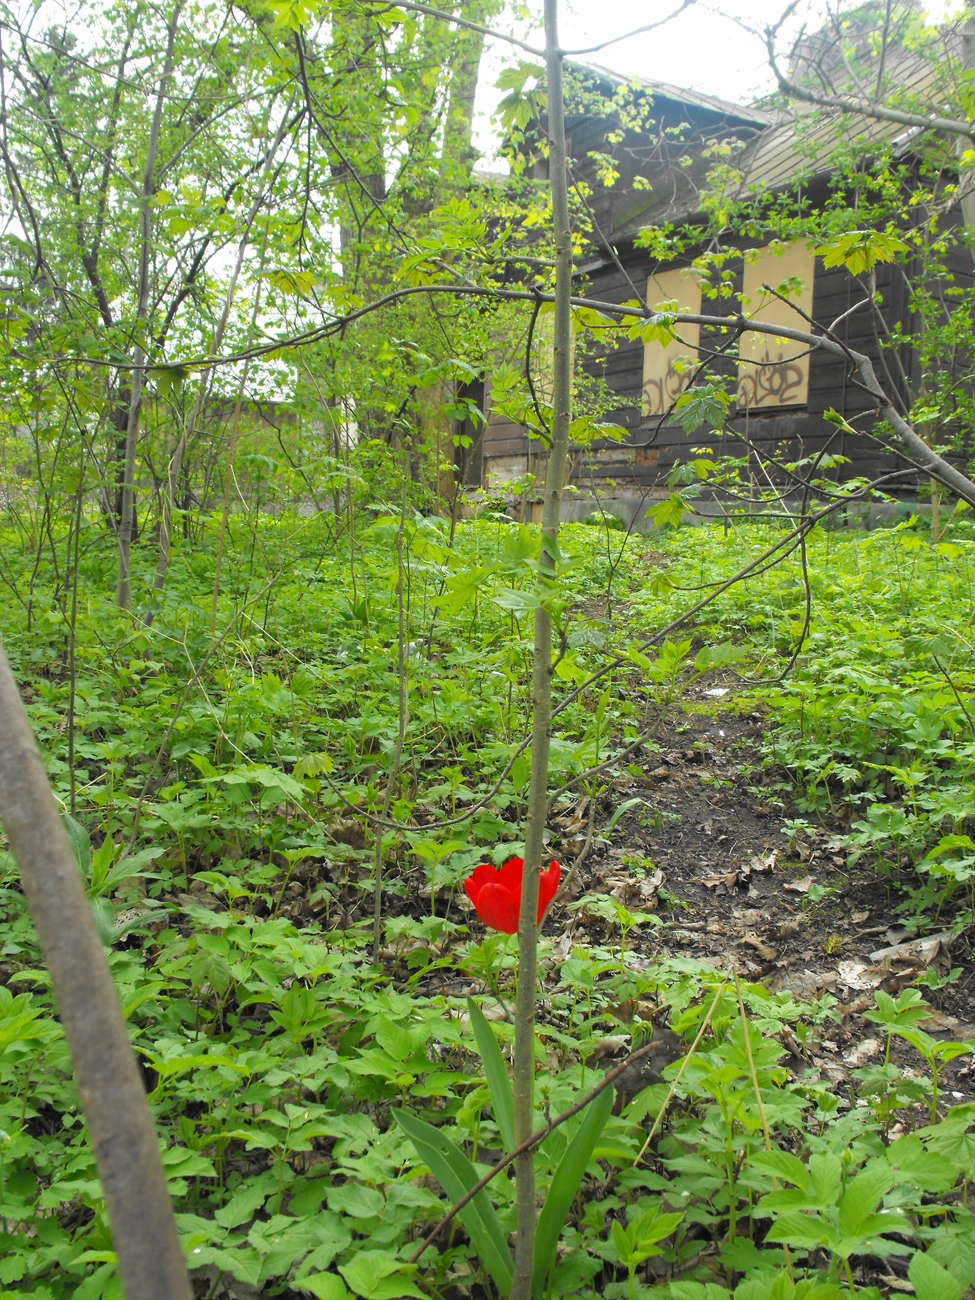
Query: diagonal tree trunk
(120, 1124)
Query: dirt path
(706, 850)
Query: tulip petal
(498, 908)
(511, 874)
(547, 886)
(481, 876)
(472, 889)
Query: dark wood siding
(651, 450)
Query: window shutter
(774, 371)
(663, 382)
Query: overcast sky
(702, 49)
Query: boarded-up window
(664, 378)
(774, 371)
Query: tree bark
(123, 589)
(524, 1064)
(199, 402)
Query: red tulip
(496, 895)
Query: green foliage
(275, 1054)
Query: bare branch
(637, 31)
(860, 104)
(413, 7)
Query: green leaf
(168, 378)
(267, 777)
(924, 1169)
(242, 1207)
(457, 1176)
(520, 602)
(378, 1275)
(326, 1286)
(621, 1241)
(798, 1229)
(80, 843)
(669, 511)
(931, 1281)
(954, 1144)
(954, 1249)
(623, 808)
(862, 1196)
(565, 1184)
(499, 1085)
(824, 1179)
(703, 404)
(394, 1039)
(653, 1227)
(355, 1200)
(782, 1165)
(861, 250)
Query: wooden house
(661, 169)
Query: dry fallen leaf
(760, 946)
(799, 886)
(610, 1046)
(903, 978)
(858, 1055)
(652, 883)
(763, 864)
(920, 950)
(803, 984)
(562, 947)
(574, 824)
(727, 880)
(896, 1283)
(857, 975)
(937, 1021)
(860, 1004)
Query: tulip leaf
(499, 1085)
(457, 1176)
(564, 1186)
(623, 808)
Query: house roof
(801, 147)
(663, 171)
(734, 114)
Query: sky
(702, 49)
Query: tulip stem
(524, 1063)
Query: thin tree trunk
(123, 589)
(404, 718)
(175, 465)
(524, 1064)
(228, 477)
(458, 153)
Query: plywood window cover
(663, 379)
(774, 372)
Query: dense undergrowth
(220, 767)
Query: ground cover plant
(306, 755)
(288, 1068)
